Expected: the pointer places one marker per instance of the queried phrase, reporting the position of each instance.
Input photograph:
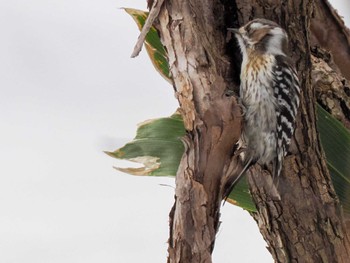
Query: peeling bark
(332, 90)
(195, 40)
(306, 223)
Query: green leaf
(241, 197)
(335, 139)
(153, 44)
(157, 146)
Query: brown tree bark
(195, 42)
(331, 64)
(305, 224)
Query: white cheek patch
(274, 45)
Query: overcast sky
(69, 91)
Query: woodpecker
(269, 95)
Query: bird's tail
(240, 175)
(277, 167)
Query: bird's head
(263, 36)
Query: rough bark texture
(195, 41)
(331, 64)
(306, 224)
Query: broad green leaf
(335, 139)
(153, 45)
(157, 146)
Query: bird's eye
(248, 31)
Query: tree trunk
(306, 224)
(195, 45)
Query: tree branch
(153, 14)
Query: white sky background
(69, 91)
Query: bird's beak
(234, 30)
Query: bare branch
(153, 14)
